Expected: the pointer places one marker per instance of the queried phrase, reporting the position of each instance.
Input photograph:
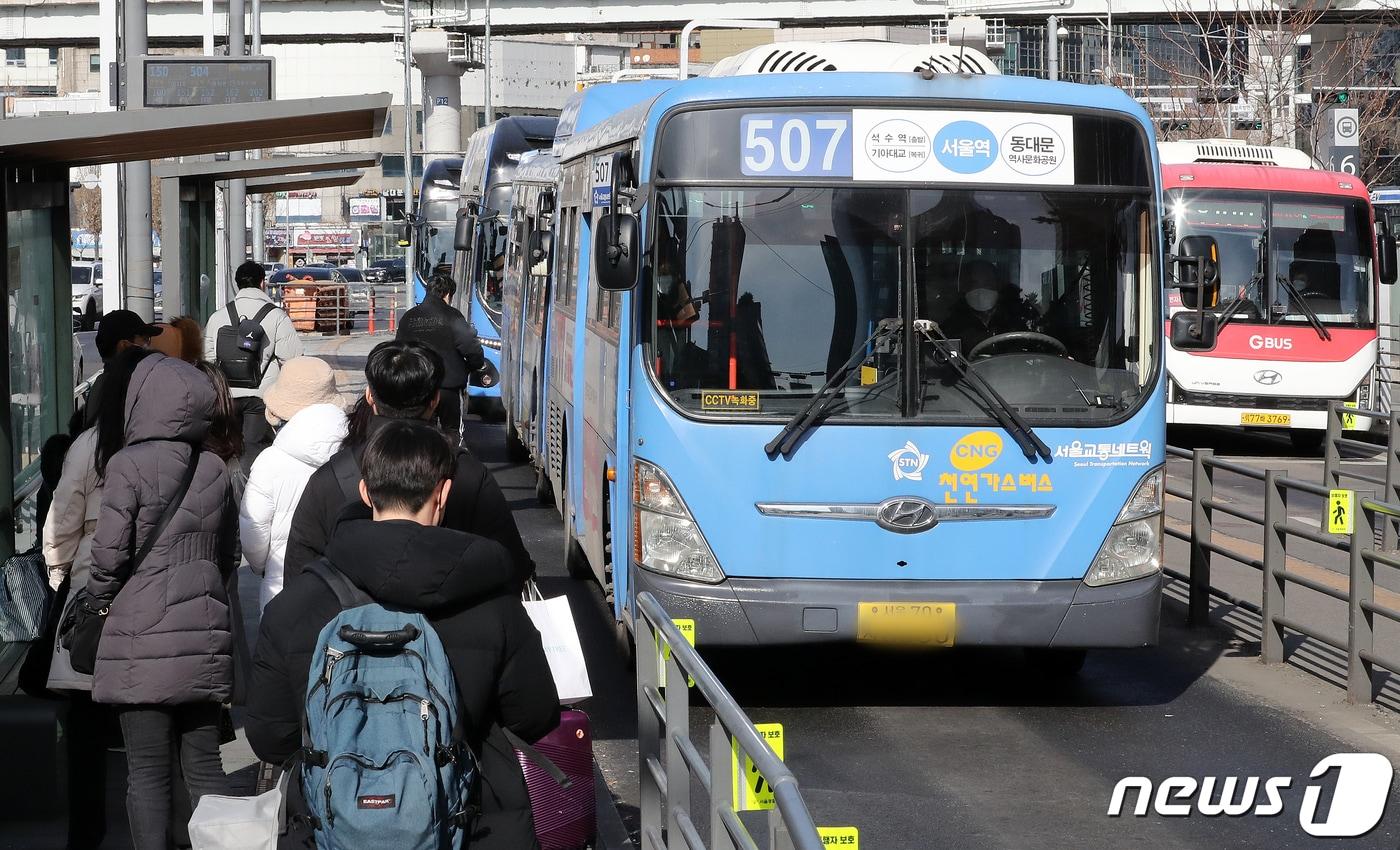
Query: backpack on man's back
(385, 761)
(239, 348)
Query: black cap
(121, 325)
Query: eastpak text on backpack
(384, 760)
(239, 348)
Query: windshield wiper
(1306, 308)
(1005, 415)
(808, 416)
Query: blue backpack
(385, 763)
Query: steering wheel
(1314, 295)
(1038, 341)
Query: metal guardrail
(1372, 518)
(669, 759)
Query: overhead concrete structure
(57, 21)
(442, 57)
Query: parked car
(273, 267)
(159, 295)
(316, 298)
(389, 270)
(87, 294)
(358, 288)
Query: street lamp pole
(408, 152)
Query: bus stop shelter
(35, 156)
(187, 215)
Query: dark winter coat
(444, 329)
(466, 586)
(168, 639)
(475, 505)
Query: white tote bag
(555, 622)
(239, 823)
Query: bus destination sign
(206, 80)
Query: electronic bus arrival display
(205, 80)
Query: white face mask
(982, 300)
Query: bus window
(772, 290)
(1039, 291)
(1324, 250)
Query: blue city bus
(439, 195)
(528, 307)
(866, 356)
(478, 263)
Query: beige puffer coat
(72, 519)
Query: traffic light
(1250, 124)
(1341, 97)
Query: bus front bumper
(767, 612)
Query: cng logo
(908, 462)
(976, 451)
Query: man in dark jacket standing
(444, 329)
(463, 583)
(403, 379)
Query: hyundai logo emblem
(906, 516)
(1267, 377)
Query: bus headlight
(1133, 548)
(665, 536)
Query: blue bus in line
(529, 291)
(841, 354)
(478, 255)
(439, 194)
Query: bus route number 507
(804, 144)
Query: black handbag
(81, 629)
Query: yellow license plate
(1273, 419)
(907, 623)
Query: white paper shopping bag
(555, 622)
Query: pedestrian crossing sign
(1341, 506)
(751, 789)
(1349, 419)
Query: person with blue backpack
(396, 674)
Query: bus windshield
(759, 294)
(1314, 248)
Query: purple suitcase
(565, 818)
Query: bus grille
(1264, 402)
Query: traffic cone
(371, 311)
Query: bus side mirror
(462, 237)
(615, 252)
(1385, 244)
(541, 247)
(1197, 273)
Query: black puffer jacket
(168, 639)
(465, 585)
(476, 505)
(444, 329)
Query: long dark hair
(357, 431)
(111, 410)
(225, 437)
